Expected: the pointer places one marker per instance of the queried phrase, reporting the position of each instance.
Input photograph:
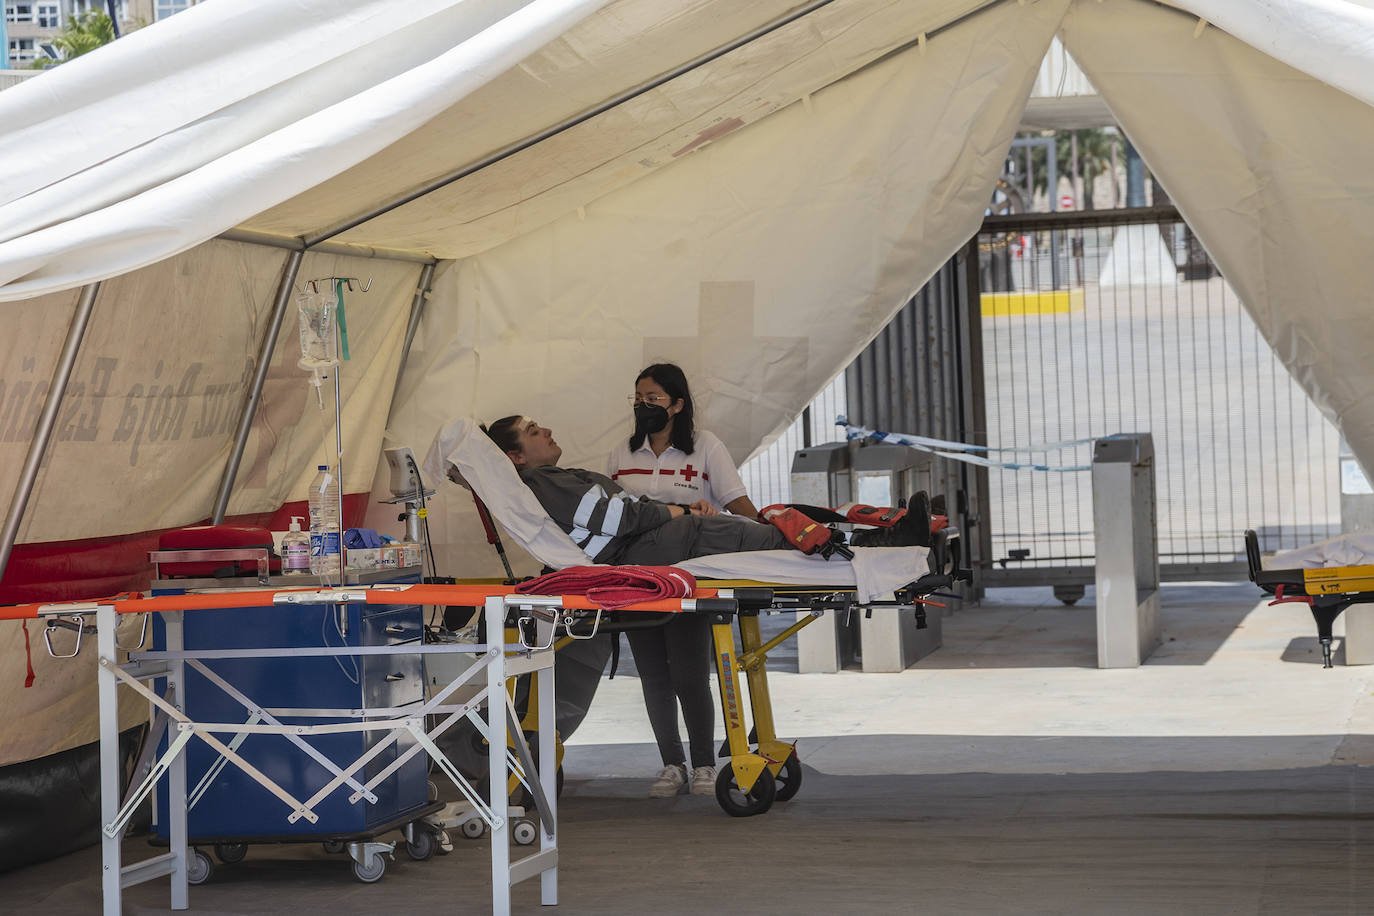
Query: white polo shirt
(676, 477)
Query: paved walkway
(1002, 774)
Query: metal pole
(1052, 158)
(250, 408)
(417, 308)
(1135, 176)
(552, 131)
(42, 435)
(292, 243)
(977, 520)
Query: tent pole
(292, 243)
(250, 409)
(417, 308)
(38, 446)
(602, 107)
(587, 114)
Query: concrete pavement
(1002, 774)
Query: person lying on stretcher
(614, 528)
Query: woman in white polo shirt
(670, 460)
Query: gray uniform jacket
(596, 512)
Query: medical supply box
(228, 805)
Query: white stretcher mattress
(1356, 549)
(461, 446)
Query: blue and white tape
(963, 451)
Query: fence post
(1127, 549)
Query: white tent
(750, 189)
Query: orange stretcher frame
(472, 595)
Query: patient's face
(538, 446)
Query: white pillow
(482, 467)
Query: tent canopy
(749, 189)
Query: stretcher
(1326, 590)
(762, 767)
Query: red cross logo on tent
(724, 358)
(688, 473)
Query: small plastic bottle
(324, 523)
(295, 550)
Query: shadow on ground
(1240, 841)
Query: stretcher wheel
(738, 803)
(524, 832)
(335, 846)
(473, 828)
(789, 778)
(370, 875)
(423, 844)
(231, 853)
(199, 867)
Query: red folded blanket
(614, 586)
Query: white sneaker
(672, 780)
(704, 781)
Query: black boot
(912, 531)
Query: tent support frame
(417, 309)
(250, 408)
(614, 101)
(554, 130)
(38, 445)
(347, 249)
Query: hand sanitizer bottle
(295, 550)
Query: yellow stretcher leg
(753, 659)
(746, 785)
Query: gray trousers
(674, 660)
(699, 536)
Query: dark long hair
(505, 434)
(671, 379)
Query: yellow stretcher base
(761, 767)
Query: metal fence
(1093, 328)
(767, 474)
(1091, 324)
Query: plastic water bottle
(324, 523)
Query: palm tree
(1095, 148)
(82, 34)
(1094, 157)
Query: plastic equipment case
(234, 809)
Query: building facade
(29, 26)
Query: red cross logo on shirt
(688, 473)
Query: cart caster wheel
(199, 867)
(473, 828)
(445, 843)
(231, 853)
(738, 803)
(524, 832)
(423, 846)
(370, 875)
(335, 846)
(789, 778)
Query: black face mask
(650, 418)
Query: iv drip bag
(319, 345)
